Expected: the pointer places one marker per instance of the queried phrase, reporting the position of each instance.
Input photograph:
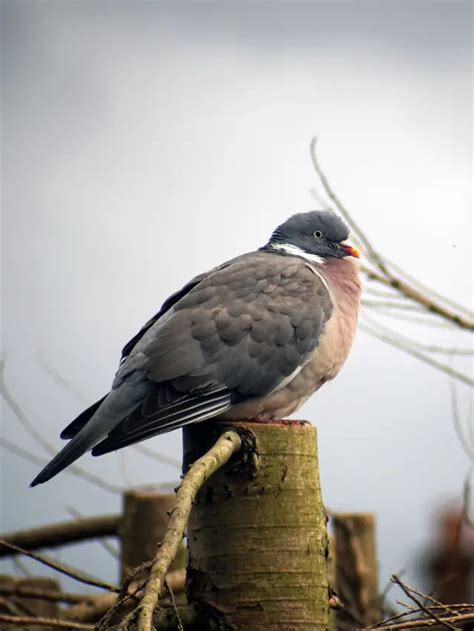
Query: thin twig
(411, 351)
(424, 319)
(416, 296)
(39, 438)
(417, 602)
(457, 422)
(21, 567)
(384, 274)
(173, 605)
(424, 288)
(427, 348)
(372, 253)
(58, 378)
(24, 621)
(64, 383)
(199, 472)
(67, 571)
(427, 622)
(112, 550)
(387, 304)
(466, 493)
(151, 453)
(41, 594)
(412, 611)
(10, 607)
(22, 453)
(124, 594)
(443, 350)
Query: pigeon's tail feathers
(81, 443)
(78, 423)
(117, 405)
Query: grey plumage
(230, 341)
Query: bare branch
(427, 622)
(411, 351)
(386, 304)
(416, 296)
(59, 379)
(370, 250)
(112, 550)
(424, 319)
(430, 613)
(30, 428)
(386, 276)
(468, 449)
(466, 503)
(55, 535)
(62, 569)
(41, 594)
(430, 291)
(24, 621)
(151, 453)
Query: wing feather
(192, 410)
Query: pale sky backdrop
(144, 142)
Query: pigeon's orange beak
(350, 250)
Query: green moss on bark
(257, 534)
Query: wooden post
(356, 570)
(257, 542)
(144, 521)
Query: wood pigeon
(252, 338)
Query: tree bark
(257, 536)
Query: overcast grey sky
(144, 142)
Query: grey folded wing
(237, 333)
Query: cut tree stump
(257, 534)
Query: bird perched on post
(252, 338)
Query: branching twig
(67, 571)
(383, 273)
(199, 472)
(429, 613)
(416, 296)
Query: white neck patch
(296, 251)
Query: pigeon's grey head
(316, 234)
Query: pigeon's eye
(318, 234)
